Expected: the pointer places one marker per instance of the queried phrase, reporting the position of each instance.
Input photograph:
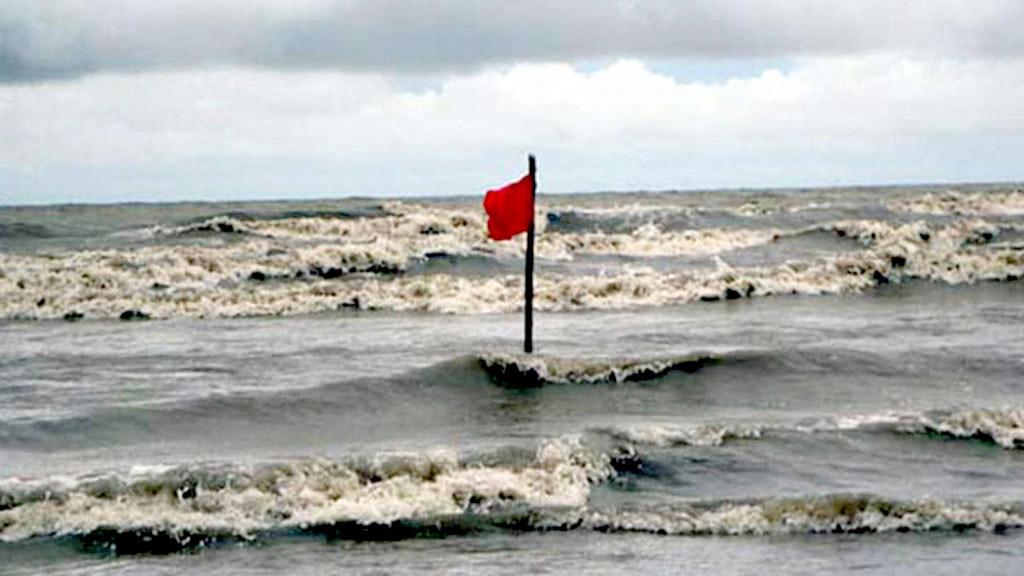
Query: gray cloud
(61, 38)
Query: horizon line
(726, 189)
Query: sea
(812, 381)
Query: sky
(121, 100)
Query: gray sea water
(740, 382)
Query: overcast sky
(118, 100)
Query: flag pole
(528, 305)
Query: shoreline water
(869, 400)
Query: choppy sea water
(796, 381)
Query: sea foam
(1003, 427)
(242, 501)
(310, 265)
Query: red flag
(510, 209)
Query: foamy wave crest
(623, 210)
(718, 433)
(649, 240)
(456, 231)
(389, 496)
(536, 370)
(170, 281)
(749, 207)
(449, 230)
(811, 515)
(185, 503)
(397, 220)
(769, 207)
(995, 202)
(106, 282)
(668, 436)
(1003, 427)
(956, 253)
(214, 224)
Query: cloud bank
(266, 133)
(70, 38)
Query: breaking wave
(521, 370)
(159, 509)
(1003, 427)
(339, 398)
(395, 220)
(955, 203)
(211, 502)
(650, 240)
(669, 205)
(836, 514)
(664, 436)
(440, 492)
(309, 265)
(387, 496)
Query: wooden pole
(528, 305)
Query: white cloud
(244, 133)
